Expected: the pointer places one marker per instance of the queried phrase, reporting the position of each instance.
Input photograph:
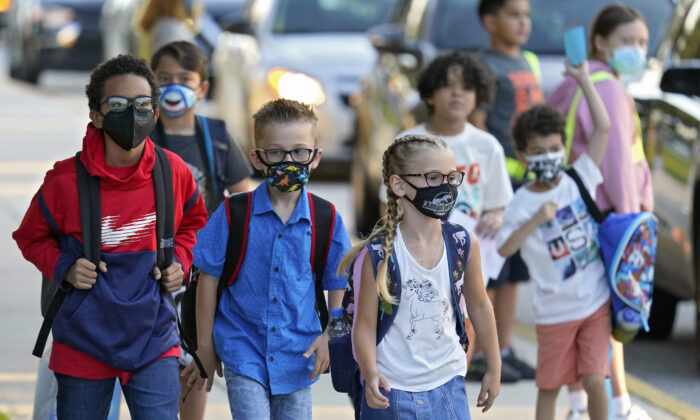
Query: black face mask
(128, 128)
(435, 202)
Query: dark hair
(283, 111)
(187, 55)
(540, 120)
(118, 66)
(490, 7)
(609, 18)
(474, 77)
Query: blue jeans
(250, 400)
(151, 394)
(446, 402)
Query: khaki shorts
(568, 350)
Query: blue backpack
(628, 247)
(344, 369)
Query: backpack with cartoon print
(343, 366)
(628, 249)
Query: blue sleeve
(340, 245)
(210, 250)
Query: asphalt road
(44, 124)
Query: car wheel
(25, 72)
(663, 314)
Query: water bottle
(338, 325)
(628, 324)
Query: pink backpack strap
(356, 277)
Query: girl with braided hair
(419, 365)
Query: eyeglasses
(121, 104)
(300, 155)
(435, 179)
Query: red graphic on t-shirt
(557, 248)
(527, 89)
(474, 173)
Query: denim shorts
(446, 402)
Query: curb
(637, 387)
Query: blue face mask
(176, 99)
(628, 60)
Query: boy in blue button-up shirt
(265, 329)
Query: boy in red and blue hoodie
(115, 321)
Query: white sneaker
(577, 415)
(635, 413)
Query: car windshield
(298, 16)
(457, 25)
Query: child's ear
(96, 118)
(489, 22)
(314, 163)
(256, 162)
(397, 186)
(203, 90)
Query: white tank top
(421, 350)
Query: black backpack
(239, 205)
(90, 219)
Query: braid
(396, 158)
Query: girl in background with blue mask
(618, 40)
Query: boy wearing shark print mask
(216, 161)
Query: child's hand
(579, 72)
(82, 274)
(171, 278)
(320, 347)
(211, 363)
(490, 223)
(547, 212)
(490, 387)
(376, 399)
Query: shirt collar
(262, 204)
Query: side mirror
(387, 38)
(684, 80)
(239, 26)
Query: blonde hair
(398, 158)
(173, 8)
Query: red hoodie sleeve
(194, 214)
(43, 224)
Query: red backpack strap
(322, 225)
(238, 208)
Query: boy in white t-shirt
(452, 86)
(548, 221)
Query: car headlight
(295, 86)
(56, 17)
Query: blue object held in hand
(575, 45)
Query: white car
(313, 51)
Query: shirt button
(274, 300)
(277, 269)
(273, 329)
(419, 402)
(279, 236)
(272, 358)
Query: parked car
(314, 51)
(672, 135)
(5, 6)
(53, 34)
(388, 101)
(670, 114)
